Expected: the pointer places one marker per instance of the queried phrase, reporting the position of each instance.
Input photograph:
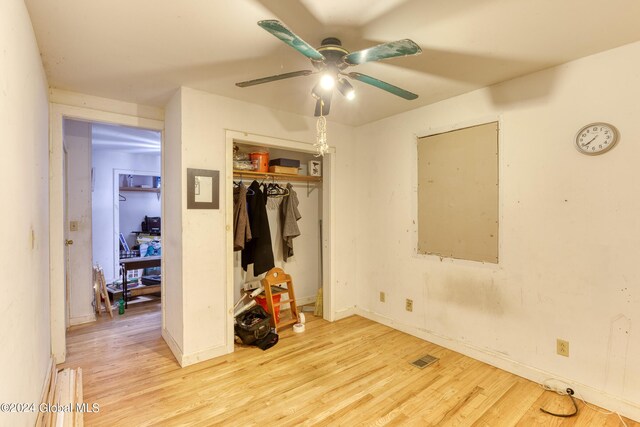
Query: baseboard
(346, 312)
(173, 346)
(83, 319)
(590, 394)
(306, 300)
(193, 358)
(202, 355)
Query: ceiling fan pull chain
(321, 145)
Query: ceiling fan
(331, 60)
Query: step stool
(277, 282)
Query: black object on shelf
(152, 280)
(151, 224)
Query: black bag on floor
(254, 324)
(268, 341)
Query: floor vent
(424, 361)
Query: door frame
(105, 111)
(328, 219)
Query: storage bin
(262, 157)
(262, 300)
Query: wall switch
(383, 297)
(562, 347)
(409, 305)
(73, 225)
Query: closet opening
(295, 187)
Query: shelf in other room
(276, 176)
(146, 190)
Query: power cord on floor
(568, 391)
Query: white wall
(24, 248)
(135, 207)
(569, 231)
(104, 162)
(173, 191)
(203, 120)
(77, 142)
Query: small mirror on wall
(203, 189)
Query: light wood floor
(351, 372)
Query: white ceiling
(142, 51)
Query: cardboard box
(283, 169)
(290, 163)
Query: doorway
(57, 188)
(108, 211)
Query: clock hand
(594, 138)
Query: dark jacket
(258, 250)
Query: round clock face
(596, 138)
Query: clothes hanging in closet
(241, 227)
(258, 250)
(290, 216)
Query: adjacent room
(402, 212)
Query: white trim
(305, 300)
(590, 394)
(172, 344)
(57, 113)
(193, 358)
(202, 355)
(82, 319)
(228, 183)
(328, 202)
(329, 282)
(64, 97)
(345, 312)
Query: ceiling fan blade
(404, 47)
(278, 29)
(274, 78)
(323, 102)
(383, 85)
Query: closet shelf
(146, 190)
(276, 176)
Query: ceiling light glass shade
(346, 89)
(327, 82)
(316, 91)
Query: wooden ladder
(273, 285)
(100, 290)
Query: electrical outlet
(383, 297)
(562, 347)
(409, 305)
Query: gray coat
(290, 216)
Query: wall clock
(596, 138)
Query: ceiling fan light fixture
(316, 92)
(327, 81)
(346, 89)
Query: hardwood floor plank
(351, 372)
